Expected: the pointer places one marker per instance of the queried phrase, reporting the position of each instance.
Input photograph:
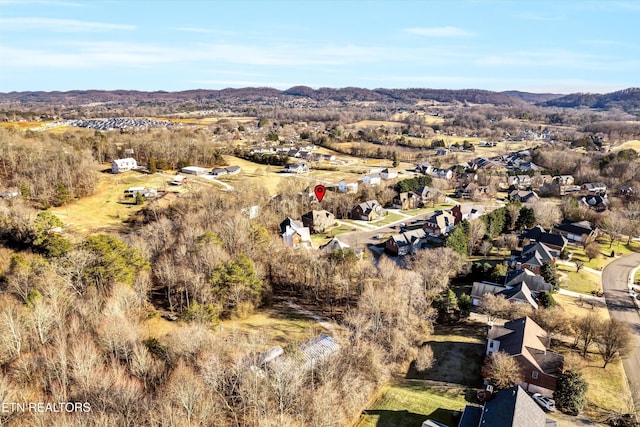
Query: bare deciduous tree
(614, 340)
(502, 370)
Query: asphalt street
(615, 284)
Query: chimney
(490, 325)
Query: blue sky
(540, 46)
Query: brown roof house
(367, 211)
(529, 344)
(407, 200)
(406, 243)
(318, 221)
(440, 223)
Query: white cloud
(59, 25)
(439, 31)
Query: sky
(560, 46)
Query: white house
(348, 186)
(442, 173)
(294, 234)
(388, 174)
(123, 165)
(296, 168)
(372, 179)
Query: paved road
(615, 283)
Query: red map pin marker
(320, 190)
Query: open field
(271, 176)
(374, 123)
(275, 325)
(408, 403)
(633, 144)
(106, 209)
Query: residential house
(510, 407)
(233, 170)
(429, 195)
(538, 181)
(318, 221)
(296, 168)
(594, 187)
(529, 344)
(295, 234)
(348, 186)
(467, 211)
(407, 242)
(407, 200)
(123, 165)
(518, 293)
(440, 223)
(523, 196)
(563, 179)
(219, 172)
(387, 174)
(334, 244)
(371, 179)
(534, 282)
(533, 257)
(520, 181)
(472, 191)
(528, 166)
(594, 201)
(442, 173)
(442, 152)
(553, 241)
(367, 211)
(424, 168)
(574, 231)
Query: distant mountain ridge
(627, 99)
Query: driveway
(615, 284)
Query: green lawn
(408, 403)
(413, 212)
(583, 281)
(388, 219)
(620, 249)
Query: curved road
(615, 284)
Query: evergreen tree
(549, 273)
(459, 237)
(571, 392)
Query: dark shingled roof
(511, 407)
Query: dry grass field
(106, 209)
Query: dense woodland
(74, 306)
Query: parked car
(545, 402)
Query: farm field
(106, 209)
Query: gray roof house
(511, 407)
